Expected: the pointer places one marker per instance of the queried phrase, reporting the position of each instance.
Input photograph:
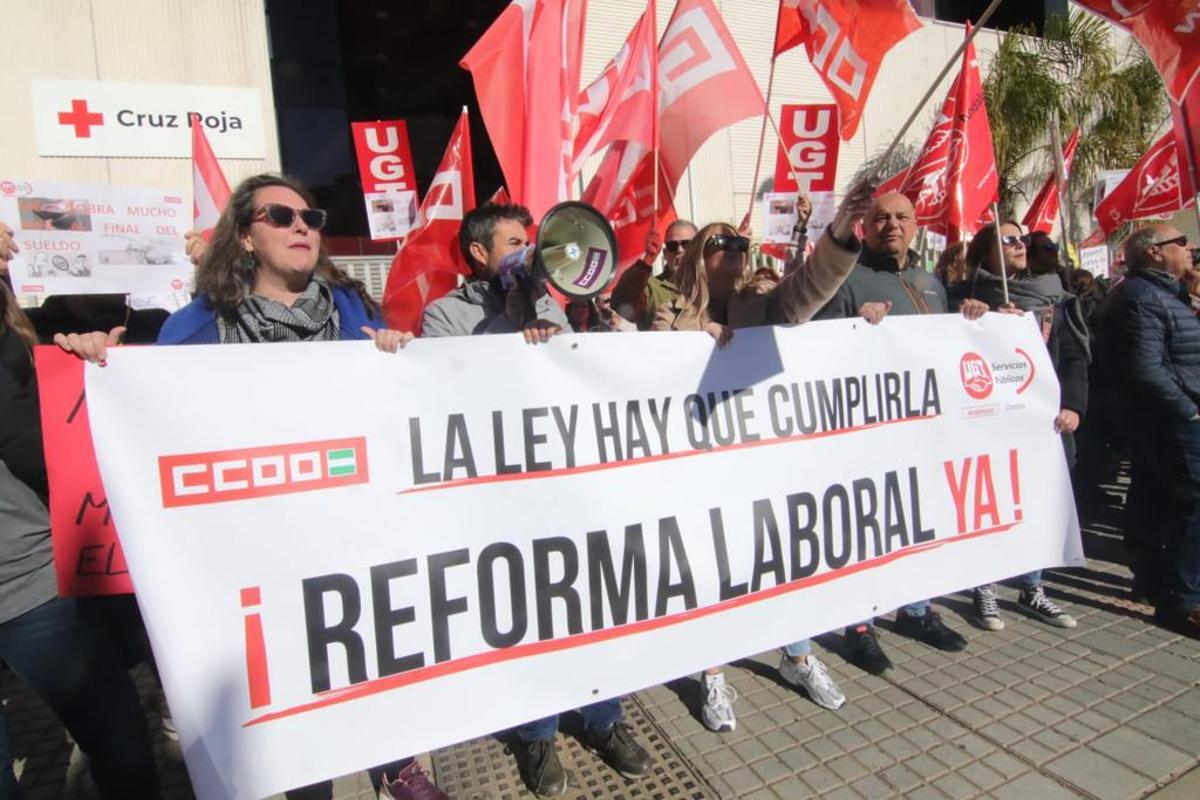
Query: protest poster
(1095, 260)
(809, 144)
(80, 239)
(570, 522)
(385, 168)
(87, 556)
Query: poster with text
(82, 239)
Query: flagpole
(1060, 181)
(1000, 250)
(1187, 158)
(933, 87)
(762, 140)
(652, 10)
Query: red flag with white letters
(621, 104)
(1043, 213)
(704, 84)
(1154, 187)
(430, 261)
(954, 178)
(1169, 30)
(622, 190)
(210, 190)
(846, 41)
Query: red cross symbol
(81, 118)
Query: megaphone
(575, 251)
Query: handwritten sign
(87, 555)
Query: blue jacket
(196, 323)
(1152, 340)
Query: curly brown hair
(226, 277)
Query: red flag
(705, 84)
(1186, 118)
(1043, 213)
(1155, 186)
(620, 105)
(526, 72)
(622, 190)
(846, 41)
(1169, 30)
(954, 179)
(430, 261)
(210, 190)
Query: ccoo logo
(220, 476)
(976, 375)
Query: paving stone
(1097, 773)
(771, 769)
(956, 787)
(1140, 752)
(902, 778)
(1171, 727)
(1034, 786)
(981, 775)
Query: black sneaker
(620, 750)
(539, 766)
(930, 629)
(863, 650)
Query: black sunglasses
(1179, 240)
(278, 215)
(675, 245)
(728, 243)
(1012, 241)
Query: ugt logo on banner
(808, 149)
(385, 168)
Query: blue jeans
(798, 649)
(917, 609)
(78, 672)
(596, 717)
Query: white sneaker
(811, 676)
(717, 713)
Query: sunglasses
(278, 215)
(1179, 240)
(728, 243)
(1012, 241)
(675, 245)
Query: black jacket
(879, 278)
(20, 417)
(1152, 341)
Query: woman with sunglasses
(265, 277)
(1066, 336)
(719, 293)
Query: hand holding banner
(310, 578)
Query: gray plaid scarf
(313, 318)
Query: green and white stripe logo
(341, 462)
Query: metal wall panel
(206, 42)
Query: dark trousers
(78, 672)
(1163, 515)
(596, 717)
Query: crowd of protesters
(1127, 356)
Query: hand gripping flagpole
(933, 87)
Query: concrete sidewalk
(1109, 709)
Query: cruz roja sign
(146, 120)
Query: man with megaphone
(489, 235)
(576, 253)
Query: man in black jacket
(1152, 338)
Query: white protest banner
(1095, 260)
(497, 532)
(385, 169)
(779, 216)
(78, 239)
(145, 120)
